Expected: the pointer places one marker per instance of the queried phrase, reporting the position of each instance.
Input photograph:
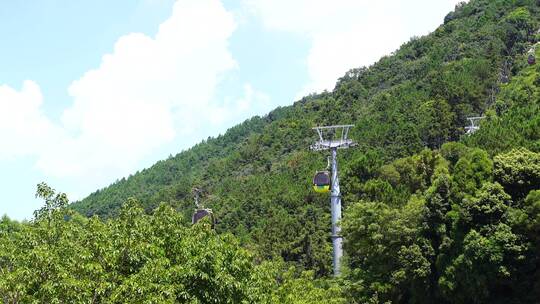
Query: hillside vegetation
(431, 215)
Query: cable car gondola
(321, 182)
(201, 214)
(531, 59)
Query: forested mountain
(431, 215)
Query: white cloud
(131, 103)
(143, 95)
(24, 129)
(348, 33)
(126, 107)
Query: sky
(93, 91)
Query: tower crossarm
(474, 124)
(333, 137)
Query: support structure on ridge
(474, 124)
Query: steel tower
(333, 138)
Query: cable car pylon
(333, 138)
(474, 124)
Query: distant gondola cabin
(321, 182)
(531, 59)
(201, 214)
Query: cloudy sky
(91, 91)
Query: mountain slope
(257, 175)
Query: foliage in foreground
(62, 257)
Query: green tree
(518, 171)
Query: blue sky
(91, 91)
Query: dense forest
(431, 214)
